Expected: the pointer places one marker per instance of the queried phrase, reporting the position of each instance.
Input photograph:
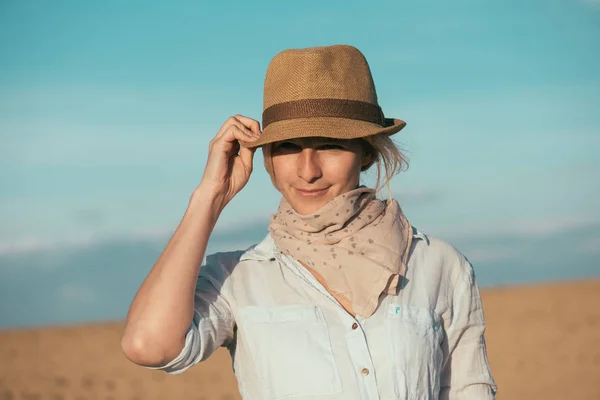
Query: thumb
(247, 156)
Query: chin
(310, 206)
(303, 208)
(309, 203)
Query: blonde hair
(382, 150)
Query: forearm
(162, 309)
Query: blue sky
(106, 110)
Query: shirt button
(354, 326)
(364, 371)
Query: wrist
(207, 198)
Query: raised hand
(229, 165)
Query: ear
(368, 159)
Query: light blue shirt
(289, 338)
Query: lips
(311, 192)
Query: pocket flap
(281, 313)
(415, 315)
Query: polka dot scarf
(357, 243)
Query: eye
(287, 146)
(331, 146)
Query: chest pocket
(291, 349)
(416, 335)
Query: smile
(311, 193)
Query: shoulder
(435, 256)
(217, 267)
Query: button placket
(361, 358)
(357, 343)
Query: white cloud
(491, 253)
(103, 125)
(81, 239)
(34, 244)
(524, 227)
(51, 143)
(549, 226)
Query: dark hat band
(333, 108)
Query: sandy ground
(543, 343)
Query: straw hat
(321, 91)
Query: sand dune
(543, 341)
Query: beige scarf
(357, 243)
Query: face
(309, 172)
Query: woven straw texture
(330, 72)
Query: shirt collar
(262, 251)
(417, 234)
(267, 249)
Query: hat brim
(335, 128)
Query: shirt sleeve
(213, 323)
(466, 374)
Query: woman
(343, 299)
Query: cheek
(282, 170)
(344, 169)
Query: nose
(309, 168)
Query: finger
(229, 140)
(240, 134)
(251, 132)
(248, 135)
(249, 123)
(247, 155)
(229, 122)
